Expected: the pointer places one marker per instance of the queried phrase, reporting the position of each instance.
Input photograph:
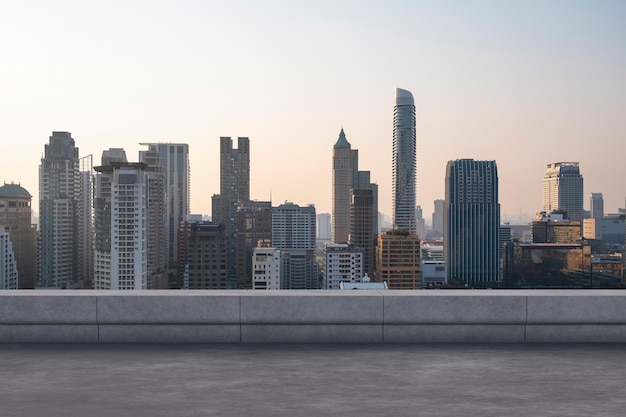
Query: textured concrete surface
(312, 380)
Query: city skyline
(525, 85)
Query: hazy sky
(525, 83)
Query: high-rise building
(404, 162)
(207, 256)
(254, 224)
(59, 190)
(472, 221)
(175, 163)
(438, 215)
(563, 190)
(323, 226)
(420, 222)
(398, 259)
(121, 218)
(158, 224)
(293, 233)
(342, 263)
(234, 187)
(84, 223)
(345, 177)
(364, 227)
(597, 206)
(8, 266)
(15, 218)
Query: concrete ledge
(489, 316)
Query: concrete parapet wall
(448, 316)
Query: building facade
(266, 265)
(207, 256)
(398, 259)
(175, 164)
(121, 217)
(8, 266)
(85, 223)
(597, 206)
(254, 224)
(472, 222)
(342, 263)
(563, 190)
(404, 162)
(345, 171)
(16, 219)
(364, 227)
(59, 190)
(293, 233)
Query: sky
(522, 83)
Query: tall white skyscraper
(563, 190)
(121, 223)
(404, 162)
(59, 190)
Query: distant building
(253, 223)
(85, 223)
(472, 221)
(363, 227)
(421, 223)
(597, 206)
(345, 171)
(563, 190)
(342, 263)
(323, 226)
(293, 233)
(121, 218)
(234, 187)
(59, 188)
(207, 256)
(404, 162)
(609, 229)
(8, 266)
(554, 228)
(434, 274)
(431, 250)
(15, 219)
(266, 268)
(398, 259)
(438, 215)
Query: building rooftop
(13, 190)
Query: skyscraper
(234, 187)
(597, 206)
(15, 218)
(121, 194)
(293, 233)
(438, 215)
(472, 221)
(254, 224)
(563, 190)
(363, 227)
(404, 162)
(8, 265)
(59, 189)
(84, 222)
(175, 162)
(345, 172)
(398, 259)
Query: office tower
(266, 265)
(59, 189)
(120, 201)
(8, 266)
(15, 218)
(345, 171)
(207, 256)
(563, 190)
(398, 259)
(175, 163)
(420, 222)
(254, 224)
(472, 221)
(323, 226)
(158, 247)
(234, 187)
(342, 263)
(404, 162)
(438, 215)
(84, 222)
(293, 233)
(364, 227)
(597, 206)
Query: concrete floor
(303, 380)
